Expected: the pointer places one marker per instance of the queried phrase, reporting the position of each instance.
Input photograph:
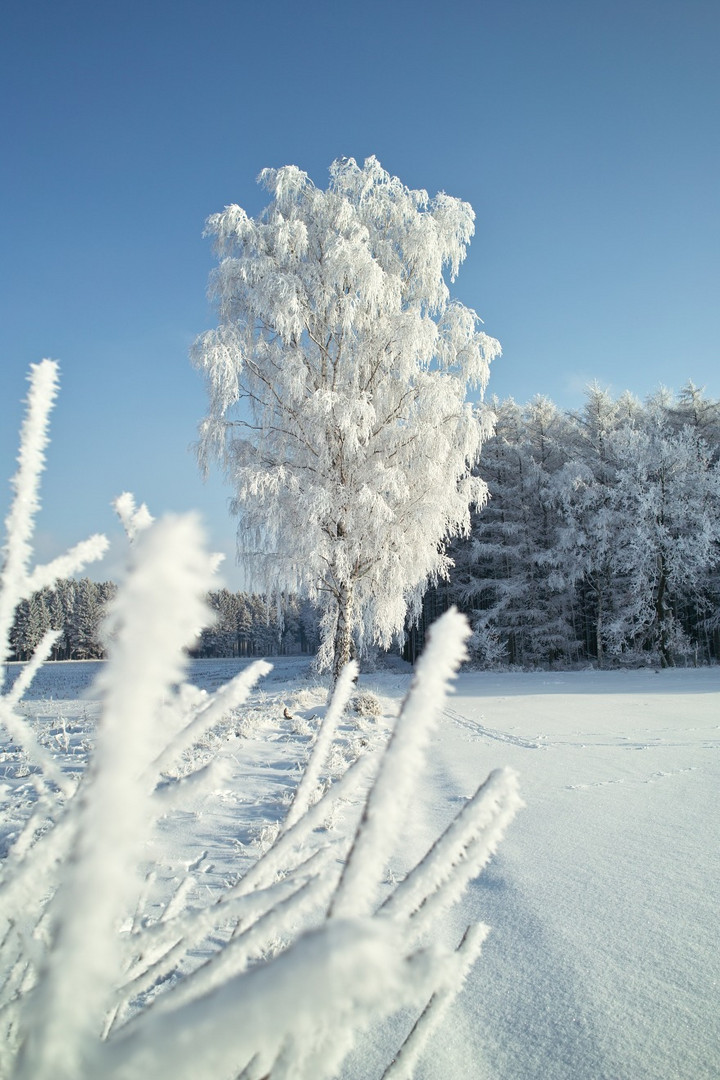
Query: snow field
(602, 958)
(119, 960)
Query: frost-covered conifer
(602, 536)
(337, 380)
(590, 514)
(668, 491)
(507, 576)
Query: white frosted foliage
(118, 957)
(451, 977)
(133, 518)
(17, 579)
(161, 602)
(323, 743)
(337, 381)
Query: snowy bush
(278, 975)
(487, 645)
(366, 703)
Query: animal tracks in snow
(652, 779)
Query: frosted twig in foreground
(463, 849)
(453, 976)
(70, 563)
(42, 650)
(223, 701)
(235, 957)
(26, 483)
(401, 764)
(321, 749)
(504, 804)
(16, 579)
(18, 728)
(336, 973)
(163, 944)
(281, 853)
(162, 602)
(133, 519)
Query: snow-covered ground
(603, 960)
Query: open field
(603, 960)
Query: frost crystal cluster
(337, 380)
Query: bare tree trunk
(343, 643)
(662, 617)
(599, 627)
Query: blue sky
(585, 136)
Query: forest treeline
(244, 625)
(601, 539)
(600, 544)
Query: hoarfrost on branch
(337, 381)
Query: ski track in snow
(580, 740)
(480, 731)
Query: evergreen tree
(601, 540)
(84, 623)
(506, 576)
(668, 498)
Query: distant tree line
(245, 625)
(75, 608)
(601, 540)
(250, 625)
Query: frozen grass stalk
(161, 604)
(402, 763)
(17, 581)
(323, 743)
(81, 1000)
(26, 502)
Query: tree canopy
(337, 380)
(601, 541)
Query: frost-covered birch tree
(337, 381)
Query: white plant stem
(31, 877)
(479, 824)
(466, 868)
(26, 483)
(227, 698)
(323, 744)
(72, 562)
(339, 970)
(449, 985)
(163, 945)
(234, 958)
(400, 767)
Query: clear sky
(585, 135)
